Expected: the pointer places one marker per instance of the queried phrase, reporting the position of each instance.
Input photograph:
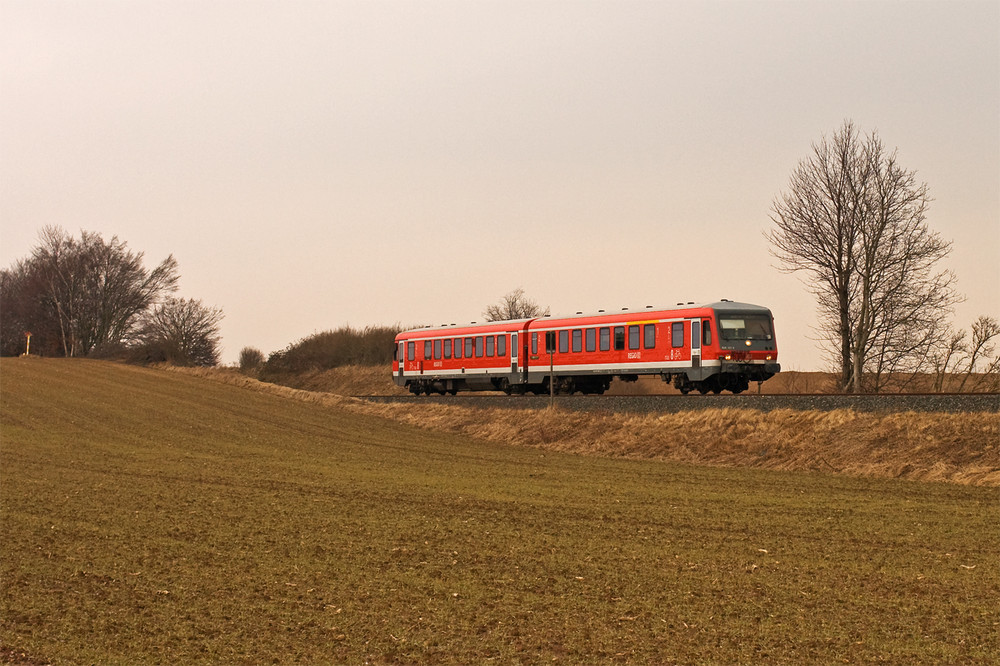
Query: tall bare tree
(90, 291)
(854, 221)
(514, 305)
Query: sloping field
(153, 517)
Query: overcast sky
(315, 164)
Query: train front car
(743, 350)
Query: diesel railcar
(712, 347)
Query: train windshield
(745, 327)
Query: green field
(153, 517)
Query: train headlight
(768, 357)
(748, 343)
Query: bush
(373, 345)
(251, 360)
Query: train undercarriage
(734, 377)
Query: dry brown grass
(958, 448)
(344, 380)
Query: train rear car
(448, 359)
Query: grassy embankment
(160, 517)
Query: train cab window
(534, 343)
(649, 336)
(479, 346)
(633, 337)
(437, 349)
(591, 339)
(563, 342)
(706, 332)
(501, 345)
(619, 338)
(577, 340)
(677, 334)
(411, 351)
(458, 347)
(428, 350)
(447, 348)
(468, 348)
(605, 339)
(490, 345)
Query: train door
(513, 355)
(401, 355)
(526, 356)
(696, 343)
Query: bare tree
(181, 331)
(514, 305)
(982, 347)
(95, 290)
(855, 222)
(948, 357)
(970, 358)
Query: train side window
(563, 342)
(479, 346)
(677, 334)
(458, 347)
(633, 337)
(437, 349)
(577, 340)
(468, 348)
(591, 339)
(706, 332)
(501, 345)
(605, 339)
(649, 336)
(447, 348)
(411, 351)
(619, 338)
(490, 344)
(428, 350)
(534, 343)
(513, 345)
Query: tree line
(87, 296)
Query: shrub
(251, 360)
(330, 349)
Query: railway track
(646, 404)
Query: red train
(712, 347)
